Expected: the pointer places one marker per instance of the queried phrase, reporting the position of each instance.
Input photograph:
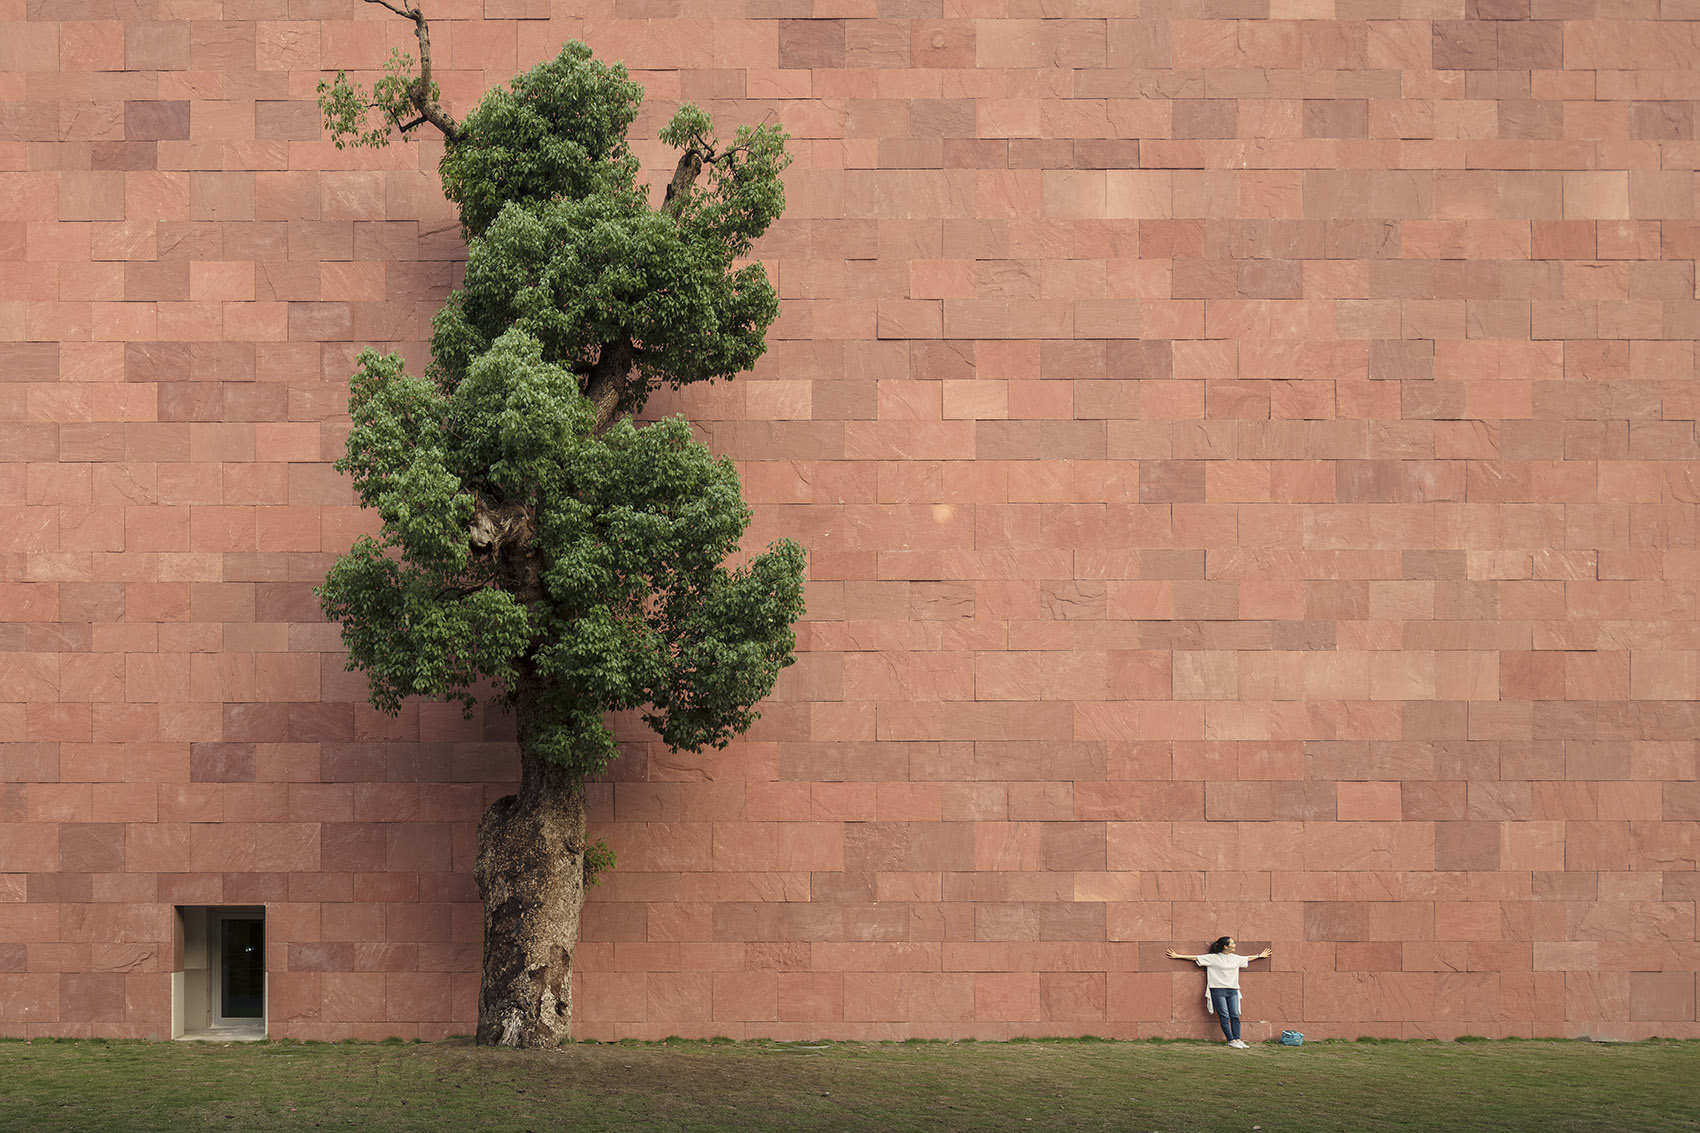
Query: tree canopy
(518, 543)
(536, 544)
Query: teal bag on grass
(1292, 1038)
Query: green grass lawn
(1127, 1087)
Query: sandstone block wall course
(1246, 452)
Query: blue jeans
(1226, 1002)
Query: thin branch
(419, 93)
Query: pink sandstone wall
(1247, 449)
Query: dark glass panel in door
(242, 953)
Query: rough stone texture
(1249, 468)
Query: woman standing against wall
(1222, 983)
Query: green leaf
(573, 572)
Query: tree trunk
(531, 874)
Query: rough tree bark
(531, 847)
(530, 873)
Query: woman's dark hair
(1221, 944)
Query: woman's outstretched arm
(1173, 955)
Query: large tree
(539, 548)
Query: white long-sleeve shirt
(1221, 970)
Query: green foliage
(573, 565)
(557, 132)
(581, 275)
(565, 245)
(635, 609)
(598, 860)
(346, 106)
(743, 194)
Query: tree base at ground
(531, 850)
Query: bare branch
(420, 93)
